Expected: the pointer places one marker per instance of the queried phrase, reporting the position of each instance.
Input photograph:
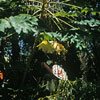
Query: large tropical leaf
(21, 23)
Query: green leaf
(64, 38)
(93, 13)
(58, 36)
(4, 25)
(61, 14)
(85, 10)
(1, 8)
(23, 23)
(2, 28)
(49, 62)
(14, 23)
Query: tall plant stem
(29, 59)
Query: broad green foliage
(22, 23)
(91, 22)
(10, 8)
(72, 90)
(87, 10)
(2, 0)
(67, 38)
(4, 25)
(36, 31)
(51, 47)
(49, 36)
(46, 47)
(49, 43)
(67, 15)
(77, 40)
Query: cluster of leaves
(51, 47)
(65, 90)
(21, 24)
(85, 37)
(91, 23)
(88, 31)
(72, 90)
(9, 7)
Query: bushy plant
(74, 90)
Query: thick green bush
(75, 90)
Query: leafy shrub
(74, 90)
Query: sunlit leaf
(46, 47)
(58, 47)
(51, 47)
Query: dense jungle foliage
(34, 33)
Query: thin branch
(9, 35)
(36, 12)
(53, 15)
(69, 18)
(56, 24)
(58, 19)
(66, 23)
(66, 17)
